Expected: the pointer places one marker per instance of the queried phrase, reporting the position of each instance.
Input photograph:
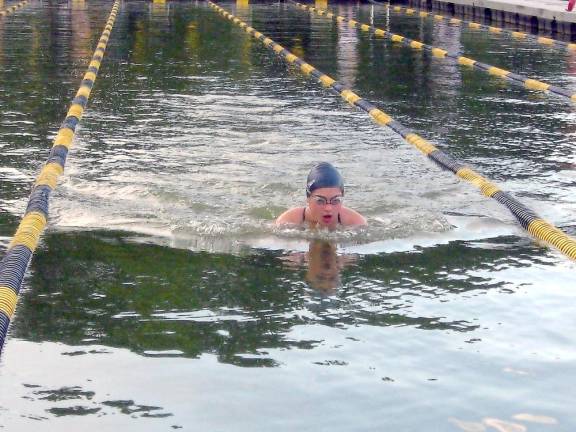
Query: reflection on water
(163, 297)
(347, 51)
(323, 265)
(81, 43)
(126, 294)
(412, 320)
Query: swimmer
(325, 195)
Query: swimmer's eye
(322, 201)
(336, 201)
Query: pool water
(162, 296)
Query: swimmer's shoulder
(292, 216)
(351, 217)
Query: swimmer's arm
(352, 217)
(292, 216)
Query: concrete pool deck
(538, 15)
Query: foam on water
(170, 217)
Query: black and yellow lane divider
(545, 41)
(535, 225)
(511, 77)
(11, 9)
(14, 264)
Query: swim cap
(323, 175)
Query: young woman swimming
(324, 198)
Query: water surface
(163, 297)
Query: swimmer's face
(324, 205)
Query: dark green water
(163, 298)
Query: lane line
(11, 9)
(14, 264)
(541, 40)
(440, 53)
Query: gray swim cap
(324, 175)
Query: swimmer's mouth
(327, 218)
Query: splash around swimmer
(324, 202)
